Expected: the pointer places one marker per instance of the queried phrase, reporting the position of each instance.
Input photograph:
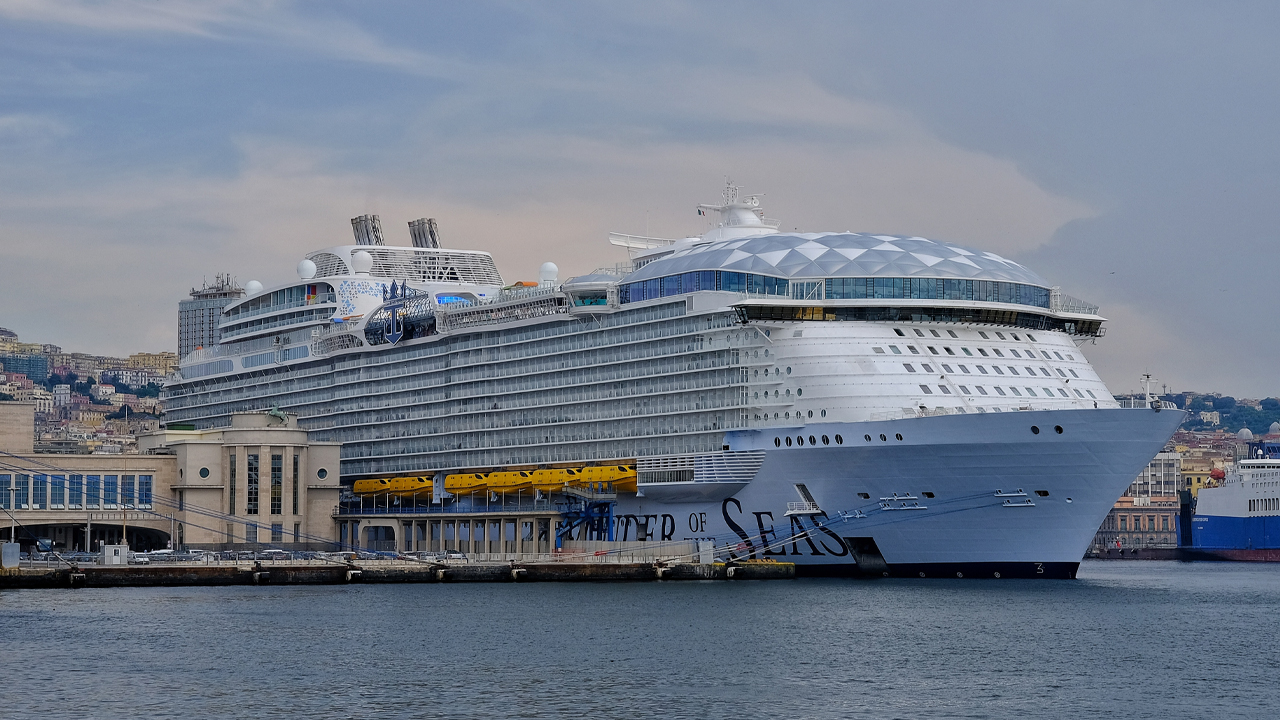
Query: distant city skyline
(1124, 152)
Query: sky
(1127, 152)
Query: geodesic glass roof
(824, 255)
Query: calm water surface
(1128, 639)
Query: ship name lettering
(844, 549)
(798, 532)
(668, 526)
(765, 541)
(697, 522)
(737, 529)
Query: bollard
(517, 574)
(353, 575)
(440, 575)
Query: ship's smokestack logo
(393, 330)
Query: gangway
(588, 506)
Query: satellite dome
(306, 270)
(253, 287)
(1245, 434)
(548, 272)
(361, 262)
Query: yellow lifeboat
(376, 486)
(410, 486)
(399, 486)
(552, 480)
(623, 477)
(510, 481)
(465, 483)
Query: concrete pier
(380, 571)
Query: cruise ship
(855, 403)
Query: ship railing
(1141, 404)
(620, 551)
(278, 323)
(201, 354)
(533, 306)
(1062, 303)
(519, 293)
(452, 508)
(618, 270)
(320, 299)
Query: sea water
(1131, 639)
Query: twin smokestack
(368, 231)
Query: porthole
(204, 472)
(868, 437)
(788, 370)
(1057, 429)
(322, 473)
(1042, 493)
(824, 413)
(787, 415)
(839, 440)
(813, 440)
(810, 413)
(1035, 430)
(1068, 499)
(788, 442)
(883, 438)
(826, 440)
(788, 392)
(777, 442)
(800, 441)
(799, 392)
(899, 436)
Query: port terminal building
(259, 482)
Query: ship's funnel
(424, 233)
(367, 229)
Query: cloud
(233, 22)
(29, 127)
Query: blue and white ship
(1240, 518)
(854, 403)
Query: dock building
(259, 482)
